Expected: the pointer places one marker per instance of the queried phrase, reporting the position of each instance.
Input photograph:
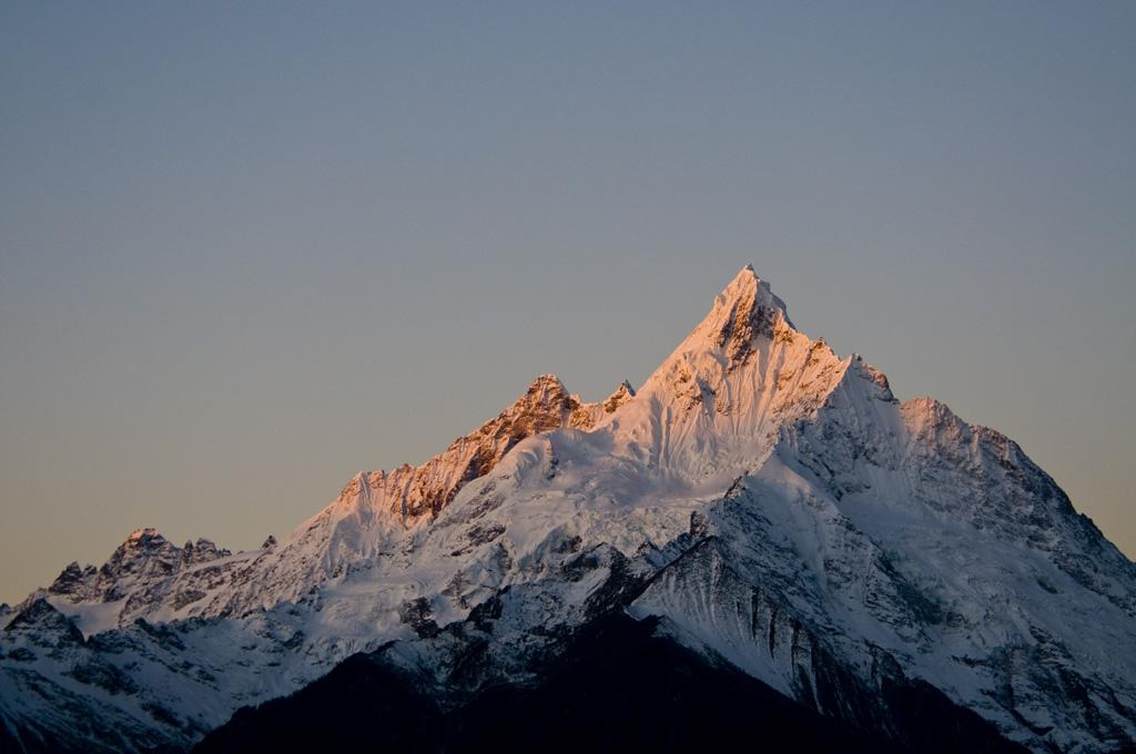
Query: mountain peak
(746, 307)
(746, 277)
(744, 312)
(715, 406)
(146, 533)
(414, 492)
(622, 394)
(544, 387)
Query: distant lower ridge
(617, 687)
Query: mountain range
(760, 540)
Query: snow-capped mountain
(759, 500)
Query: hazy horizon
(247, 252)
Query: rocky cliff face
(760, 500)
(411, 492)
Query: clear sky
(248, 249)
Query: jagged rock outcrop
(411, 492)
(147, 575)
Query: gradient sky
(248, 249)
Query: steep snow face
(772, 502)
(962, 565)
(954, 468)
